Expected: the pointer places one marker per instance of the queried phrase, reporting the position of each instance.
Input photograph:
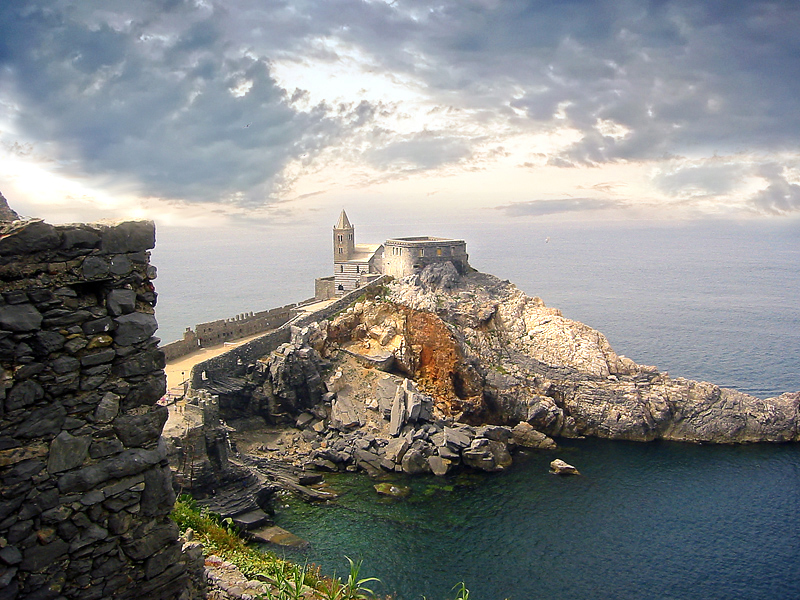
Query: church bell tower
(344, 242)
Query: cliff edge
(488, 353)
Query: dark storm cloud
(152, 103)
(707, 76)
(141, 90)
(536, 208)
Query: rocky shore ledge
(441, 371)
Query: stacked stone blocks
(86, 488)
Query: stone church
(355, 265)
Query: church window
(438, 252)
(422, 251)
(340, 236)
(350, 237)
(341, 250)
(341, 287)
(358, 269)
(341, 268)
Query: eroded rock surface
(487, 353)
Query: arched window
(340, 288)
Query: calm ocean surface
(716, 301)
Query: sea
(714, 300)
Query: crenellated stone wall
(235, 361)
(217, 332)
(85, 486)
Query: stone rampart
(217, 332)
(235, 361)
(86, 488)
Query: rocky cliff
(441, 369)
(488, 353)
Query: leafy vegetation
(286, 580)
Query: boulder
(415, 463)
(20, 317)
(457, 438)
(395, 449)
(486, 455)
(559, 467)
(121, 302)
(279, 537)
(134, 328)
(398, 415)
(439, 466)
(526, 436)
(344, 412)
(67, 452)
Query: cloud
(780, 197)
(172, 110)
(179, 99)
(707, 178)
(536, 208)
(424, 150)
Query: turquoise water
(716, 301)
(657, 521)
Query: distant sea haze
(716, 301)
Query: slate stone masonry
(85, 488)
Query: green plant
(354, 587)
(462, 591)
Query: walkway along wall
(234, 362)
(85, 486)
(217, 332)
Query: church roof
(344, 222)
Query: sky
(200, 113)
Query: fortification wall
(86, 488)
(235, 361)
(217, 332)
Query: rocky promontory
(441, 370)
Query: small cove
(660, 520)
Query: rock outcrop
(487, 353)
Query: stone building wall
(85, 486)
(404, 256)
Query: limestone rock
(398, 414)
(559, 467)
(344, 412)
(414, 462)
(439, 466)
(526, 436)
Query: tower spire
(344, 222)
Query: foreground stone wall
(86, 488)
